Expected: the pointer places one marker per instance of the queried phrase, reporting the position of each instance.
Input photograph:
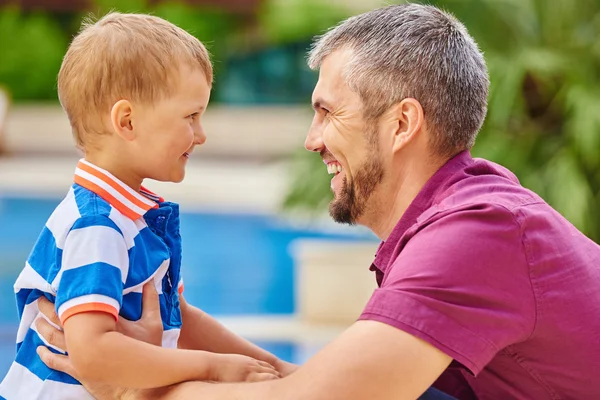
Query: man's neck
(395, 195)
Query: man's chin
(341, 213)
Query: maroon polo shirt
(484, 270)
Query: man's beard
(354, 197)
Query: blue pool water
(232, 264)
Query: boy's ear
(121, 118)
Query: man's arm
(371, 360)
(200, 331)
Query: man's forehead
(331, 87)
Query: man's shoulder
(478, 207)
(488, 201)
(486, 186)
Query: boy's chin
(178, 178)
(172, 178)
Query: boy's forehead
(192, 73)
(193, 84)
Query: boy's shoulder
(79, 208)
(88, 203)
(79, 204)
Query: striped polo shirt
(101, 244)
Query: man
(484, 290)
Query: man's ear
(409, 116)
(121, 118)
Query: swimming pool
(232, 264)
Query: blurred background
(260, 252)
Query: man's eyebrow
(320, 104)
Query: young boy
(134, 88)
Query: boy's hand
(238, 368)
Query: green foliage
(213, 26)
(207, 24)
(288, 21)
(31, 50)
(309, 189)
(101, 7)
(543, 121)
(32, 45)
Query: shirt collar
(126, 200)
(427, 197)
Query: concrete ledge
(333, 281)
(4, 108)
(209, 186)
(243, 132)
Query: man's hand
(149, 327)
(63, 364)
(285, 368)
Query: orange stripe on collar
(126, 200)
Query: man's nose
(314, 140)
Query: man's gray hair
(416, 51)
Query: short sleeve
(462, 284)
(95, 263)
(180, 286)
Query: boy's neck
(118, 169)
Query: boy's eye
(194, 115)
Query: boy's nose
(200, 137)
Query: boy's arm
(100, 354)
(200, 331)
(95, 265)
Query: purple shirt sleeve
(461, 282)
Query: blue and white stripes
(99, 247)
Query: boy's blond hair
(123, 56)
